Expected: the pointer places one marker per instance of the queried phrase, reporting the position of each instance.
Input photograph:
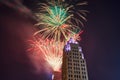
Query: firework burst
(51, 52)
(58, 20)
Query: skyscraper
(74, 64)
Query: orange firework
(51, 51)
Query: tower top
(71, 41)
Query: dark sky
(100, 42)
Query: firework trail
(58, 20)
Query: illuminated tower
(74, 64)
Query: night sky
(100, 42)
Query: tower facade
(74, 64)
